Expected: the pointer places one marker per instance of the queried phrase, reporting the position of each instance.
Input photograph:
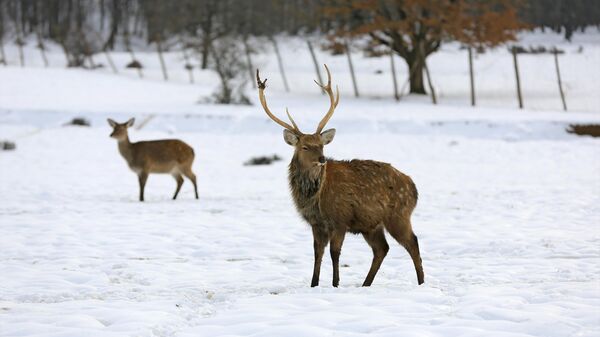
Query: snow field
(507, 248)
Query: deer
(336, 196)
(156, 156)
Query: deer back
(362, 194)
(159, 155)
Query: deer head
(308, 147)
(120, 129)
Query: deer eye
(305, 148)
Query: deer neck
(305, 183)
(125, 148)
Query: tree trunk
(206, 43)
(417, 84)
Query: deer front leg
(319, 243)
(335, 248)
(142, 178)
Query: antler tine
(333, 100)
(291, 119)
(328, 79)
(263, 102)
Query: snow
(508, 215)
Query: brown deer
(157, 156)
(357, 196)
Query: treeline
(91, 25)
(158, 19)
(562, 16)
(410, 29)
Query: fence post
(188, 65)
(433, 97)
(562, 94)
(133, 59)
(20, 44)
(316, 63)
(163, 66)
(519, 96)
(42, 48)
(281, 70)
(472, 76)
(347, 46)
(2, 54)
(393, 66)
(105, 50)
(249, 62)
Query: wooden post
(315, 62)
(88, 51)
(351, 66)
(562, 94)
(472, 76)
(66, 52)
(249, 62)
(2, 54)
(285, 83)
(90, 58)
(128, 47)
(42, 47)
(393, 66)
(433, 97)
(110, 61)
(186, 58)
(519, 96)
(162, 60)
(2, 30)
(20, 44)
(19, 41)
(106, 53)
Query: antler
(263, 101)
(333, 100)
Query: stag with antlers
(358, 196)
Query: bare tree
(227, 61)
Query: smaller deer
(156, 156)
(358, 196)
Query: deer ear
(290, 137)
(130, 122)
(327, 136)
(111, 122)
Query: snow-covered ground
(508, 216)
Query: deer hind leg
(179, 180)
(335, 249)
(319, 243)
(187, 171)
(142, 178)
(401, 230)
(376, 239)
